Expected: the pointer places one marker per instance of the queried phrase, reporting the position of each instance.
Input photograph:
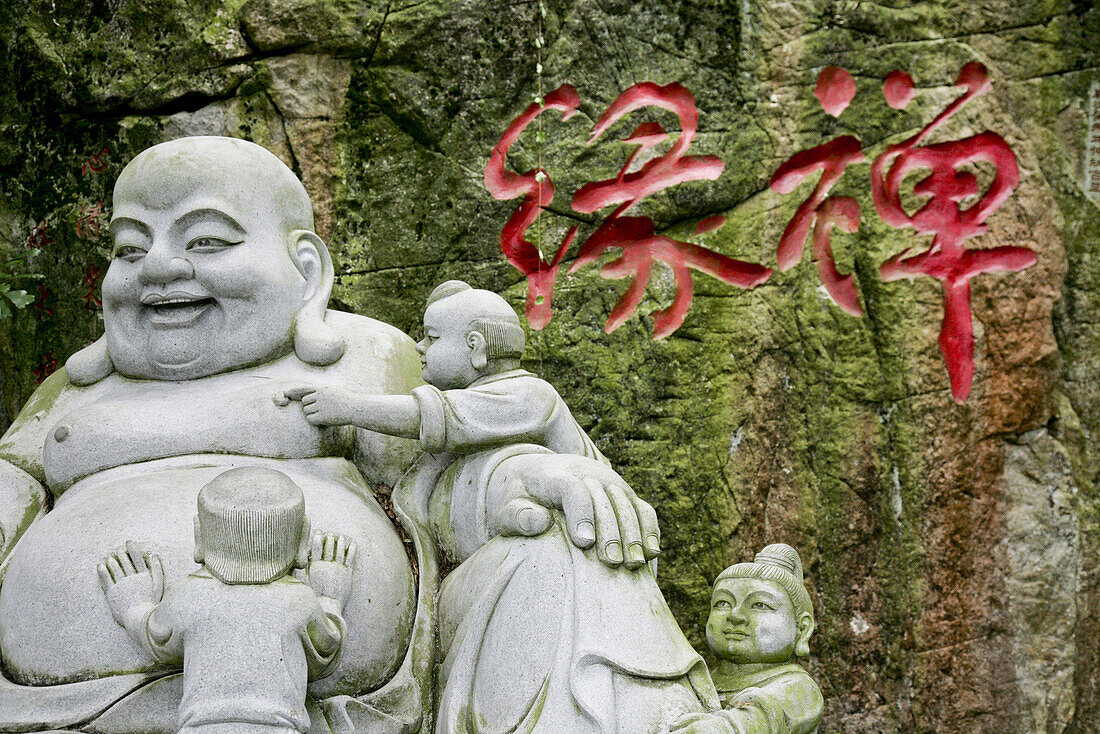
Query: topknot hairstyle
(780, 563)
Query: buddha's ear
(805, 629)
(301, 559)
(315, 342)
(90, 365)
(198, 542)
(479, 349)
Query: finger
(326, 554)
(281, 400)
(353, 550)
(125, 562)
(136, 556)
(114, 567)
(651, 530)
(580, 515)
(105, 579)
(156, 568)
(309, 399)
(631, 534)
(296, 393)
(524, 517)
(341, 549)
(315, 550)
(609, 543)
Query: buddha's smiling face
(751, 621)
(201, 279)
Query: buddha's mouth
(176, 309)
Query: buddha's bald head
(237, 173)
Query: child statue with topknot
(248, 634)
(760, 619)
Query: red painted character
(48, 367)
(537, 191)
(636, 236)
(835, 89)
(38, 238)
(945, 188)
(91, 280)
(95, 163)
(40, 304)
(87, 227)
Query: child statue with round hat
(248, 633)
(761, 617)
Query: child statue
(760, 619)
(477, 397)
(249, 634)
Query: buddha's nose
(159, 266)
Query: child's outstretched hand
(132, 580)
(323, 406)
(331, 559)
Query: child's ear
(805, 629)
(198, 541)
(479, 350)
(301, 560)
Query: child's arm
(133, 582)
(332, 558)
(394, 415)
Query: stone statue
(477, 404)
(246, 632)
(760, 619)
(214, 304)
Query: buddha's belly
(55, 625)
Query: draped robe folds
(536, 635)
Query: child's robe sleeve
(476, 418)
(322, 640)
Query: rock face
(952, 551)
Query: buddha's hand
(702, 723)
(600, 508)
(133, 581)
(322, 405)
(331, 559)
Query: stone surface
(833, 433)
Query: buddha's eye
(722, 604)
(763, 607)
(209, 244)
(129, 253)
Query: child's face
(445, 352)
(751, 621)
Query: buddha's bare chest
(134, 422)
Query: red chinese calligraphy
(537, 191)
(87, 227)
(636, 236)
(48, 367)
(91, 280)
(942, 216)
(38, 238)
(40, 304)
(835, 89)
(820, 211)
(95, 163)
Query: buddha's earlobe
(805, 629)
(315, 342)
(198, 542)
(90, 365)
